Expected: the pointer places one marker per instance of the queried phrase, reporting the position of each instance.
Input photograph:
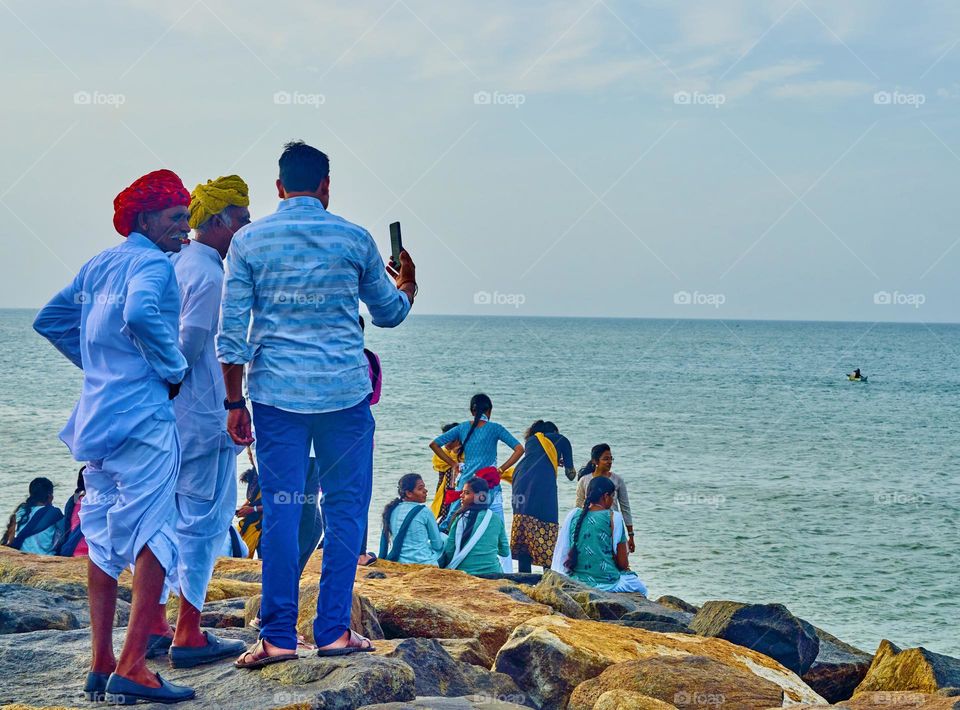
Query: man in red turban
(149, 205)
(118, 321)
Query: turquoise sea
(757, 472)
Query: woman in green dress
(477, 536)
(592, 544)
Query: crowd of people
(172, 334)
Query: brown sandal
(355, 644)
(261, 658)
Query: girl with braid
(592, 544)
(479, 439)
(410, 533)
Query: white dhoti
(204, 514)
(129, 500)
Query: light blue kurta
(290, 307)
(207, 483)
(424, 541)
(118, 321)
(43, 542)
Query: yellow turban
(214, 197)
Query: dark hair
(595, 453)
(541, 427)
(407, 483)
(40, 492)
(447, 427)
(362, 324)
(597, 489)
(478, 486)
(81, 484)
(480, 404)
(249, 475)
(302, 167)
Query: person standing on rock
(536, 517)
(207, 485)
(601, 465)
(479, 439)
(291, 296)
(117, 321)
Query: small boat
(854, 378)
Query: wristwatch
(239, 404)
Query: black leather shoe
(123, 691)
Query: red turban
(154, 191)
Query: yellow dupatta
(549, 449)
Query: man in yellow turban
(217, 204)
(206, 490)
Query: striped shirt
(290, 307)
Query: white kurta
(117, 321)
(207, 485)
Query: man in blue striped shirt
(290, 309)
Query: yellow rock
(627, 700)
(419, 601)
(549, 656)
(913, 669)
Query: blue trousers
(343, 444)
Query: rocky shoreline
(446, 640)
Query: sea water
(756, 471)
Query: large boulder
(427, 602)
(629, 700)
(677, 604)
(438, 674)
(469, 702)
(345, 682)
(24, 609)
(768, 628)
(912, 669)
(47, 668)
(683, 681)
(468, 651)
(579, 601)
(839, 668)
(63, 575)
(890, 700)
(549, 656)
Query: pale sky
(705, 159)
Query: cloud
(751, 80)
(826, 88)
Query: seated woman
(35, 525)
(592, 544)
(411, 525)
(73, 543)
(477, 537)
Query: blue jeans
(343, 444)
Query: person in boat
(410, 526)
(856, 375)
(446, 478)
(535, 512)
(601, 463)
(477, 536)
(35, 525)
(592, 544)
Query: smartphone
(396, 244)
